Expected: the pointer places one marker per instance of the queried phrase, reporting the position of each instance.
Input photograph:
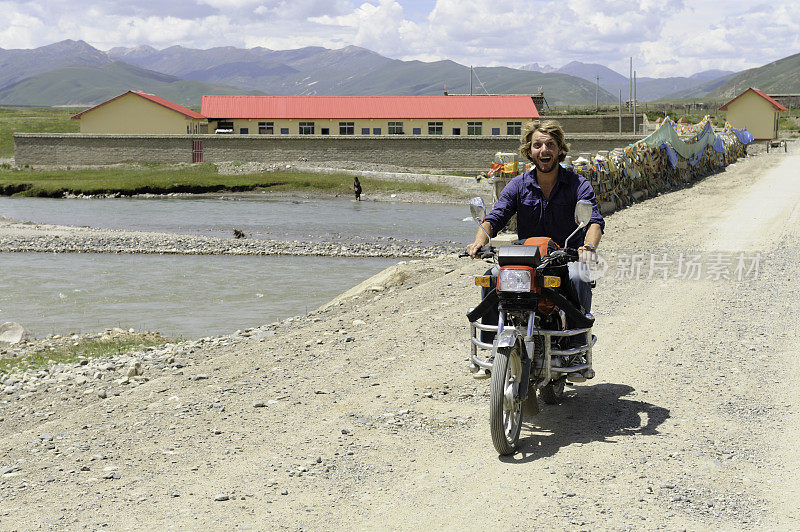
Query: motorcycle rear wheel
(505, 408)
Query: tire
(552, 393)
(505, 417)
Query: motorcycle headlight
(514, 280)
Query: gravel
(691, 423)
(26, 236)
(17, 236)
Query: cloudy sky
(664, 37)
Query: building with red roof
(756, 112)
(137, 112)
(368, 115)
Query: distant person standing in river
(357, 188)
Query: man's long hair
(552, 128)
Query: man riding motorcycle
(544, 201)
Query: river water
(259, 216)
(194, 296)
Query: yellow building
(136, 112)
(368, 115)
(756, 112)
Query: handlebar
(559, 257)
(484, 252)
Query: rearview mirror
(478, 209)
(583, 212)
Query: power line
(479, 81)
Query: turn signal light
(484, 281)
(552, 281)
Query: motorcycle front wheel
(505, 408)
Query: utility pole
(630, 87)
(597, 93)
(620, 111)
(470, 80)
(634, 102)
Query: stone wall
(445, 153)
(80, 149)
(593, 123)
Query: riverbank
(131, 180)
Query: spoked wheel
(505, 408)
(552, 393)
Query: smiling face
(544, 152)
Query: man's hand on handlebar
(473, 249)
(587, 254)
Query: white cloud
(721, 36)
(20, 30)
(230, 4)
(372, 25)
(300, 10)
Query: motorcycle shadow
(587, 414)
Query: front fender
(507, 338)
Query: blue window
(417, 131)
(365, 131)
(495, 131)
(243, 131)
(376, 131)
(284, 131)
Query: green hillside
(781, 76)
(559, 89)
(700, 91)
(92, 85)
(419, 78)
(33, 120)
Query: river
(194, 296)
(259, 216)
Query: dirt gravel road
(362, 415)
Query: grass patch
(33, 120)
(86, 349)
(789, 124)
(187, 179)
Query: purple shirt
(537, 216)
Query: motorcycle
(542, 336)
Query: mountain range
(75, 73)
(647, 89)
(348, 71)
